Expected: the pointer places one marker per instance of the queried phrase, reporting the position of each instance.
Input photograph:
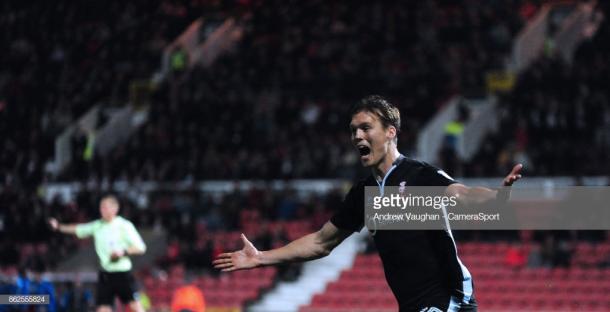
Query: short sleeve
(350, 215)
(133, 237)
(433, 176)
(84, 230)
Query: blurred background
(212, 118)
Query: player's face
(108, 209)
(370, 138)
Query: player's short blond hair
(112, 198)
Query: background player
(116, 238)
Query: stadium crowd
(281, 95)
(277, 106)
(74, 55)
(557, 119)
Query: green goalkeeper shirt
(116, 235)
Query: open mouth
(364, 150)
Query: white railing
(582, 23)
(530, 41)
(221, 40)
(118, 129)
(63, 143)
(188, 40)
(199, 51)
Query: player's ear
(391, 132)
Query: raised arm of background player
(71, 229)
(321, 243)
(64, 228)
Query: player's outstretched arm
(469, 195)
(64, 228)
(309, 247)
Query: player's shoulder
(409, 167)
(96, 222)
(416, 164)
(123, 221)
(419, 167)
(91, 225)
(359, 185)
(424, 173)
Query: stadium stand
(557, 111)
(499, 287)
(227, 291)
(74, 56)
(275, 106)
(271, 220)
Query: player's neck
(109, 220)
(385, 164)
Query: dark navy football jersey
(420, 266)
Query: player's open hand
(246, 258)
(54, 224)
(513, 176)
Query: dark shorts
(441, 305)
(115, 284)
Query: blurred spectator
(6, 287)
(534, 259)
(144, 300)
(188, 298)
(555, 251)
(23, 284)
(179, 59)
(199, 255)
(515, 257)
(76, 298)
(564, 254)
(41, 286)
(172, 255)
(450, 161)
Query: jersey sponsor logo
(402, 187)
(430, 309)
